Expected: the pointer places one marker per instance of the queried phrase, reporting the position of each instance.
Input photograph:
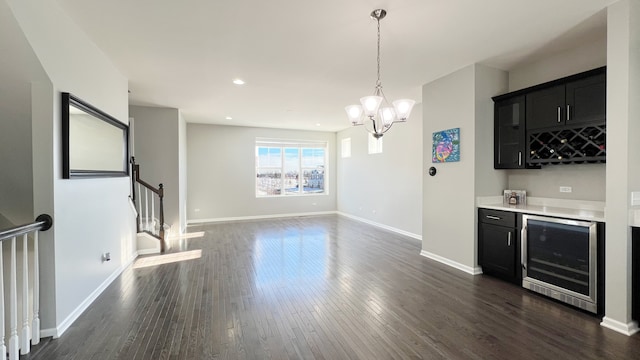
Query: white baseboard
(260, 217)
(382, 226)
(64, 325)
(623, 328)
(51, 332)
(148, 251)
(256, 217)
(468, 269)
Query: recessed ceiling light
(228, 118)
(317, 124)
(238, 81)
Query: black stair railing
(147, 200)
(27, 292)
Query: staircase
(20, 287)
(148, 202)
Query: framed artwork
(446, 146)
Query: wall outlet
(565, 189)
(635, 198)
(196, 210)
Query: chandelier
(375, 110)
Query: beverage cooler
(560, 259)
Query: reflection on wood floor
(323, 287)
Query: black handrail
(135, 178)
(43, 223)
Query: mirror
(94, 144)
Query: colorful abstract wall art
(446, 146)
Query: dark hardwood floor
(323, 287)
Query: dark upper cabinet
(576, 100)
(544, 107)
(558, 122)
(509, 133)
(586, 100)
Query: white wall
(182, 171)
(91, 216)
(20, 67)
(461, 99)
(583, 56)
(488, 82)
(623, 167)
(158, 152)
(221, 174)
(16, 177)
(384, 189)
(587, 180)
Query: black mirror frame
(68, 173)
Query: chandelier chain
(378, 83)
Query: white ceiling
(303, 61)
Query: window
(290, 168)
(346, 147)
(375, 145)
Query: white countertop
(572, 209)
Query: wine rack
(584, 144)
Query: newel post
(161, 196)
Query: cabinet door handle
(568, 112)
(493, 217)
(523, 248)
(559, 113)
(509, 239)
(519, 158)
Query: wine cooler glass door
(561, 253)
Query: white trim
(382, 226)
(256, 217)
(615, 325)
(468, 269)
(133, 207)
(44, 333)
(66, 323)
(149, 251)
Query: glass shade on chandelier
(374, 111)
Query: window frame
(285, 145)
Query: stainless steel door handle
(519, 158)
(523, 246)
(509, 239)
(493, 217)
(568, 112)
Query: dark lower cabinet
(499, 244)
(635, 273)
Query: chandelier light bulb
(354, 112)
(371, 104)
(388, 116)
(403, 108)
